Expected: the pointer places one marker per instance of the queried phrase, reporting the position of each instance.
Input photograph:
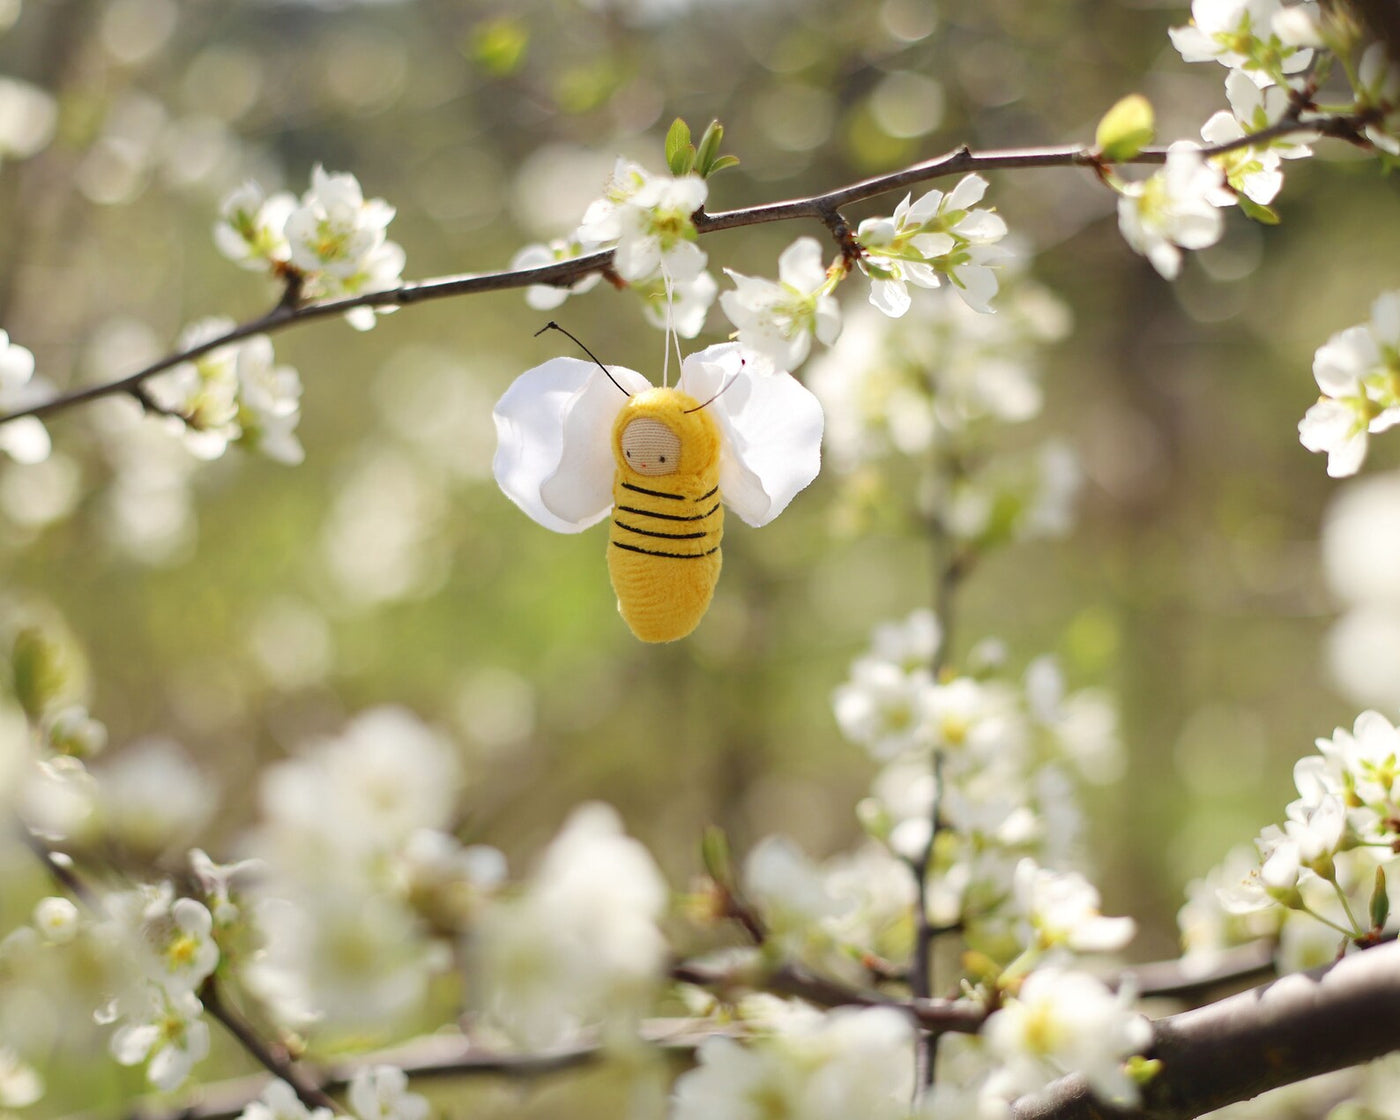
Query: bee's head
(665, 431)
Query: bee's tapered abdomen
(664, 555)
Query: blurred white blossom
(279, 1101)
(231, 394)
(20, 1083)
(28, 119)
(170, 1037)
(546, 297)
(1065, 1022)
(381, 1093)
(579, 945)
(1378, 90)
(779, 320)
(830, 1066)
(56, 919)
(25, 440)
(1061, 908)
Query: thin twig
(274, 1058)
(59, 867)
(289, 311)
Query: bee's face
(650, 447)
(655, 435)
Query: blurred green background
(240, 606)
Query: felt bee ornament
(578, 441)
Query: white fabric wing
(553, 441)
(772, 429)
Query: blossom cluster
(234, 393)
(1008, 752)
(1002, 798)
(1324, 862)
(942, 381)
(940, 238)
(331, 241)
(646, 220)
(1268, 49)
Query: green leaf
(708, 148)
(1380, 901)
(498, 45)
(1265, 215)
(680, 152)
(44, 672)
(714, 854)
(1125, 129)
(721, 163)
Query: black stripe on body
(668, 516)
(709, 494)
(668, 555)
(653, 493)
(668, 536)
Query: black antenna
(698, 407)
(552, 325)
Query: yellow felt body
(664, 546)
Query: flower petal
(531, 420)
(771, 426)
(580, 489)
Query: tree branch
(274, 1058)
(1294, 1028)
(289, 311)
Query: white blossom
(28, 119)
(251, 230)
(279, 1101)
(25, 440)
(170, 940)
(580, 945)
(1062, 908)
(647, 220)
(546, 297)
(778, 320)
(681, 305)
(884, 708)
(845, 1063)
(269, 402)
(1243, 35)
(1175, 208)
(925, 241)
(171, 1036)
(20, 1083)
(56, 919)
(1378, 88)
(1065, 1022)
(1355, 369)
(334, 229)
(790, 890)
(381, 1093)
